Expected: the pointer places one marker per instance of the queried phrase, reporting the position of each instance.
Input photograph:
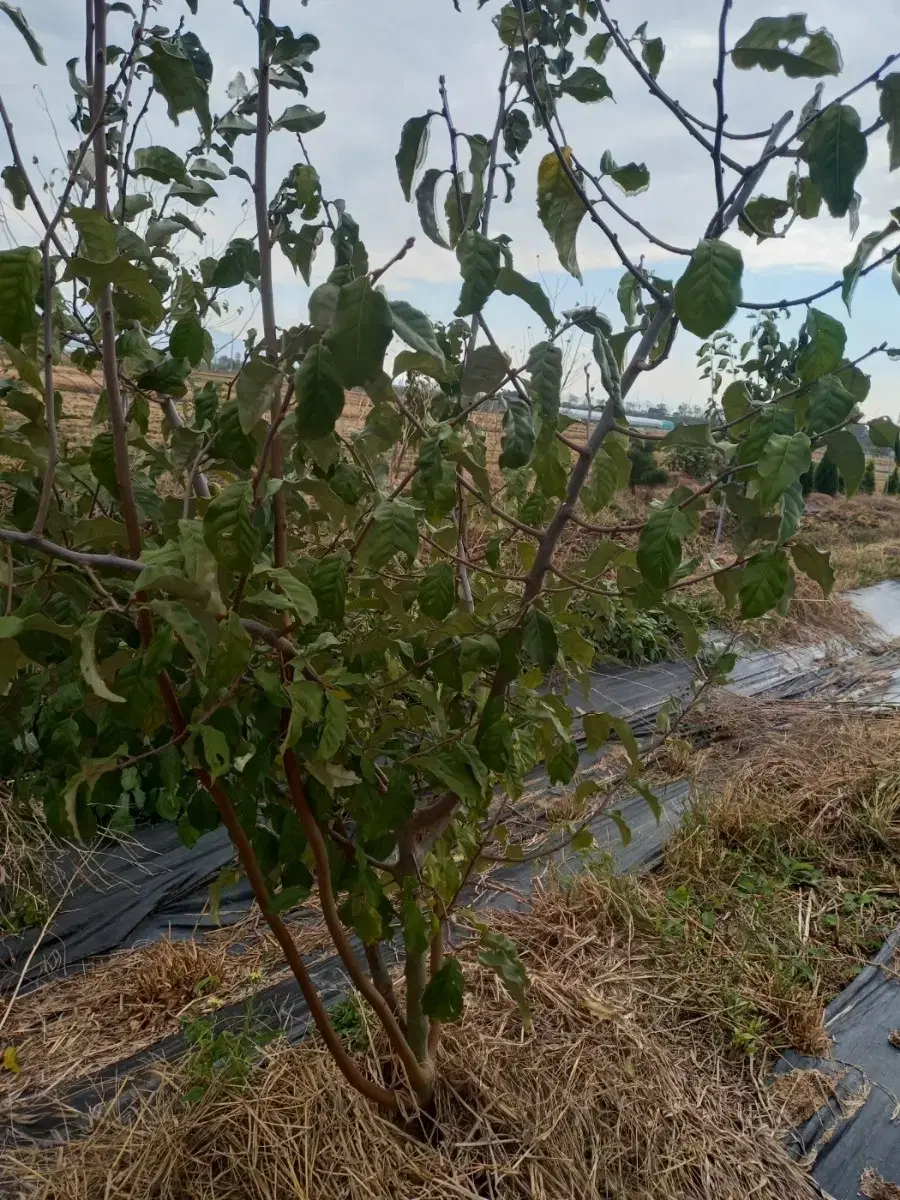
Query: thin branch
(721, 116)
(40, 519)
(682, 251)
(494, 146)
(734, 137)
(826, 291)
(266, 285)
(570, 174)
(126, 100)
(623, 46)
(418, 1077)
(401, 253)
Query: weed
(221, 1058)
(349, 1022)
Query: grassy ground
(659, 1006)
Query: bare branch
(266, 286)
(43, 510)
(572, 177)
(401, 253)
(721, 116)
(623, 46)
(826, 291)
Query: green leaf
(560, 209)
(479, 264)
(188, 340)
(240, 260)
(760, 214)
(562, 761)
(426, 207)
(763, 46)
(102, 462)
(836, 153)
(443, 997)
(500, 955)
(709, 291)
(320, 394)
(816, 564)
(328, 583)
(412, 152)
(303, 602)
(228, 527)
(847, 454)
(539, 639)
(437, 592)
(334, 728)
(884, 432)
(863, 253)
(88, 659)
(766, 578)
(808, 199)
(597, 729)
(15, 180)
(598, 48)
(545, 365)
(360, 333)
(585, 85)
(176, 80)
(120, 274)
(516, 133)
(659, 546)
(825, 349)
(187, 629)
(602, 484)
(485, 369)
(414, 328)
(784, 459)
(633, 178)
(653, 51)
(622, 825)
(159, 163)
(306, 700)
(511, 283)
(629, 294)
(518, 434)
(793, 505)
(479, 652)
(889, 108)
(689, 435)
(20, 277)
(299, 118)
(18, 19)
(200, 565)
(215, 750)
(395, 530)
(830, 404)
(728, 585)
(255, 389)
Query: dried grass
(798, 1095)
(614, 1093)
(875, 1188)
(71, 1028)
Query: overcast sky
(379, 64)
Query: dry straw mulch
(616, 1092)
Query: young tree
(645, 469)
(826, 478)
(892, 483)
(867, 483)
(289, 639)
